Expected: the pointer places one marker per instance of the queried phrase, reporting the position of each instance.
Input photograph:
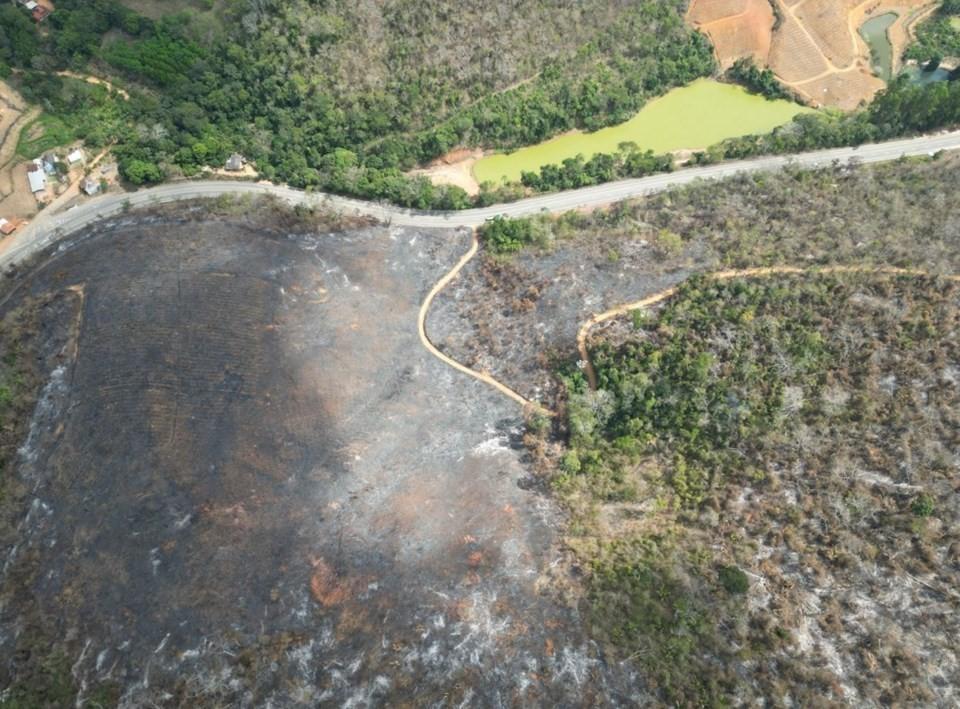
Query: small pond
(874, 33)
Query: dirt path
(721, 276)
(94, 80)
(425, 338)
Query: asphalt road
(48, 228)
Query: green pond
(693, 117)
(874, 33)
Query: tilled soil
(247, 483)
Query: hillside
(346, 96)
(775, 466)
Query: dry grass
(816, 49)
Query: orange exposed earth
(813, 46)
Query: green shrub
(922, 505)
(733, 579)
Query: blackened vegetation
(764, 490)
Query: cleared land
(812, 45)
(16, 200)
(676, 121)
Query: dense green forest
(939, 36)
(345, 96)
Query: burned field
(763, 492)
(246, 482)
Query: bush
(922, 505)
(734, 580)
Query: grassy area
(764, 459)
(42, 134)
(693, 117)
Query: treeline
(901, 109)
(628, 161)
(760, 81)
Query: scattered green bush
(922, 506)
(733, 579)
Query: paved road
(48, 228)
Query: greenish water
(919, 76)
(874, 33)
(693, 117)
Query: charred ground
(246, 482)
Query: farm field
(813, 46)
(676, 121)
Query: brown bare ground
(845, 90)
(455, 168)
(16, 201)
(816, 50)
(743, 35)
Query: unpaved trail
(657, 298)
(94, 80)
(425, 338)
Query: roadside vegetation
(348, 97)
(763, 489)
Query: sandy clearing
(455, 168)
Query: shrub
(922, 505)
(734, 580)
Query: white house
(90, 186)
(75, 157)
(37, 177)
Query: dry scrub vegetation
(764, 490)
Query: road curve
(48, 228)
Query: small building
(75, 157)
(90, 186)
(37, 177)
(39, 13)
(108, 169)
(235, 162)
(49, 163)
(31, 5)
(6, 227)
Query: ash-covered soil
(246, 483)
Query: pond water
(919, 76)
(693, 117)
(874, 33)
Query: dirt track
(813, 46)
